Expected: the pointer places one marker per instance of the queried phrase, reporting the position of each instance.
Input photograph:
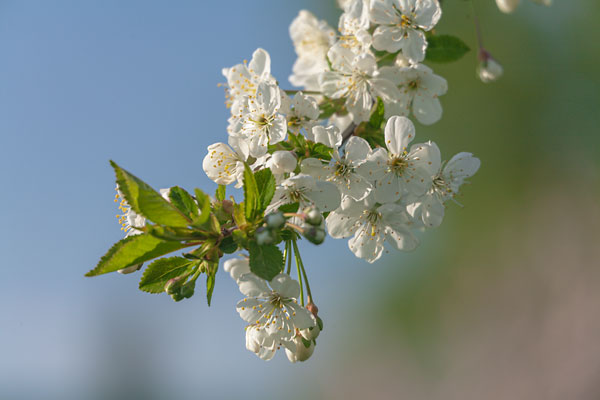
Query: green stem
(288, 246)
(299, 259)
(298, 264)
(286, 254)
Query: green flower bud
(315, 235)
(275, 220)
(264, 236)
(313, 216)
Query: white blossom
(349, 172)
(329, 136)
(508, 6)
(419, 92)
(354, 26)
(259, 122)
(312, 39)
(307, 191)
(444, 186)
(489, 69)
(223, 164)
(355, 78)
(402, 171)
(402, 24)
(301, 111)
(243, 79)
(371, 224)
(273, 313)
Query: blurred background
(500, 302)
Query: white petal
(252, 286)
(329, 136)
(260, 63)
(357, 187)
(388, 38)
(388, 189)
(414, 45)
(357, 150)
(366, 246)
(402, 240)
(340, 225)
(302, 318)
(399, 132)
(428, 14)
(325, 196)
(236, 267)
(427, 110)
(286, 286)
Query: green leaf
(445, 48)
(204, 204)
(251, 195)
(289, 208)
(320, 151)
(265, 182)
(211, 272)
(377, 117)
(220, 192)
(161, 271)
(265, 261)
(184, 202)
(133, 250)
(146, 201)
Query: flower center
(398, 165)
(342, 169)
(440, 185)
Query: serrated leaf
(158, 273)
(266, 261)
(146, 201)
(251, 195)
(445, 48)
(181, 199)
(265, 182)
(133, 250)
(220, 192)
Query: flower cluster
(375, 185)
(337, 156)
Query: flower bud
(315, 235)
(236, 267)
(264, 236)
(187, 290)
(312, 307)
(489, 69)
(303, 352)
(227, 206)
(275, 220)
(507, 6)
(131, 269)
(282, 162)
(171, 286)
(310, 333)
(313, 216)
